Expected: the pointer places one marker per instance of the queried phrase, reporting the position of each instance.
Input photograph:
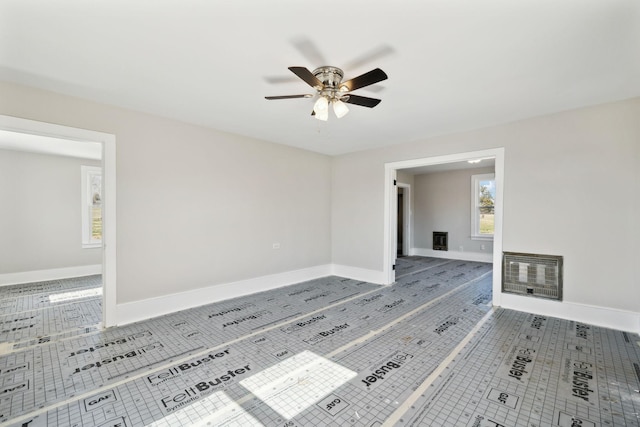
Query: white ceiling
(453, 65)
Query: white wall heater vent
(532, 275)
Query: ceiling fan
(327, 81)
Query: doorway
(403, 219)
(107, 142)
(391, 209)
(399, 229)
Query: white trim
(109, 231)
(91, 245)
(497, 232)
(51, 274)
(389, 238)
(108, 141)
(463, 256)
(390, 174)
(599, 316)
(484, 238)
(153, 307)
(357, 273)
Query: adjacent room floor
(427, 351)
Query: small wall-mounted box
(440, 240)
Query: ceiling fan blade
(370, 56)
(288, 96)
(307, 76)
(362, 101)
(280, 79)
(309, 50)
(366, 79)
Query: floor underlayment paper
(428, 350)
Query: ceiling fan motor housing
(330, 78)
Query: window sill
(91, 245)
(485, 238)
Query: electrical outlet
(482, 247)
(461, 248)
(276, 246)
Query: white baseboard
(593, 315)
(52, 274)
(153, 307)
(464, 256)
(356, 273)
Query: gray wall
(197, 207)
(40, 224)
(442, 202)
(571, 188)
(405, 178)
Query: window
(91, 206)
(483, 194)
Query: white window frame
(475, 205)
(86, 173)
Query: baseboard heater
(532, 275)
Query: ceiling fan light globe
(340, 108)
(322, 104)
(322, 115)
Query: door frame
(390, 209)
(406, 218)
(108, 142)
